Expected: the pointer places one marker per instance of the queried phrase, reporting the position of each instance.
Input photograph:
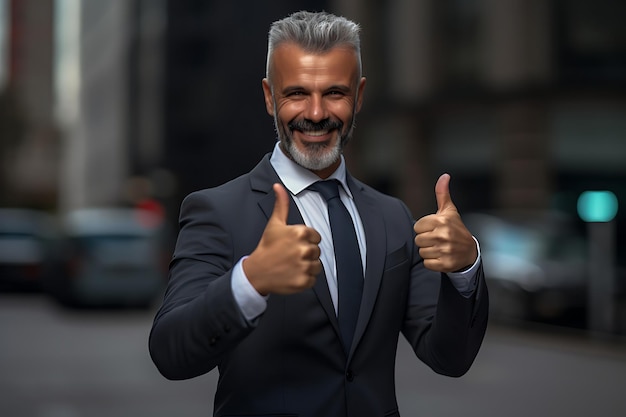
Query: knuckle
(309, 252)
(430, 264)
(298, 231)
(444, 220)
(444, 235)
(446, 250)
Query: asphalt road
(65, 363)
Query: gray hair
(314, 32)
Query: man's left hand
(445, 243)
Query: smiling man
(296, 280)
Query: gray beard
(317, 156)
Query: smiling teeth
(316, 133)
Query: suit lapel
(262, 179)
(375, 237)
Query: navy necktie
(347, 258)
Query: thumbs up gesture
(445, 243)
(286, 259)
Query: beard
(314, 156)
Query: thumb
(281, 206)
(442, 193)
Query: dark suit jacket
(290, 361)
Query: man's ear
(361, 90)
(269, 100)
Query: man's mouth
(315, 133)
(315, 130)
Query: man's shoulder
(374, 193)
(387, 204)
(239, 185)
(229, 191)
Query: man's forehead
(291, 47)
(290, 55)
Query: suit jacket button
(213, 340)
(350, 375)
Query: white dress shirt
(314, 212)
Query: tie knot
(328, 189)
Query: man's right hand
(287, 259)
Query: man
(256, 287)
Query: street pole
(598, 209)
(601, 278)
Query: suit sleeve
(444, 328)
(199, 319)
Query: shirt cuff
(250, 302)
(465, 281)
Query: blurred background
(112, 111)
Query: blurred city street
(57, 362)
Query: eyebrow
(343, 88)
(295, 89)
(292, 89)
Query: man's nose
(316, 109)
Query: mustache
(307, 125)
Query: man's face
(314, 99)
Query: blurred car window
(24, 248)
(535, 264)
(109, 257)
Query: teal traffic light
(597, 206)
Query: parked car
(109, 257)
(535, 264)
(24, 237)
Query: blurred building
(28, 137)
(4, 37)
(525, 97)
(164, 90)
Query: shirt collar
(297, 178)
